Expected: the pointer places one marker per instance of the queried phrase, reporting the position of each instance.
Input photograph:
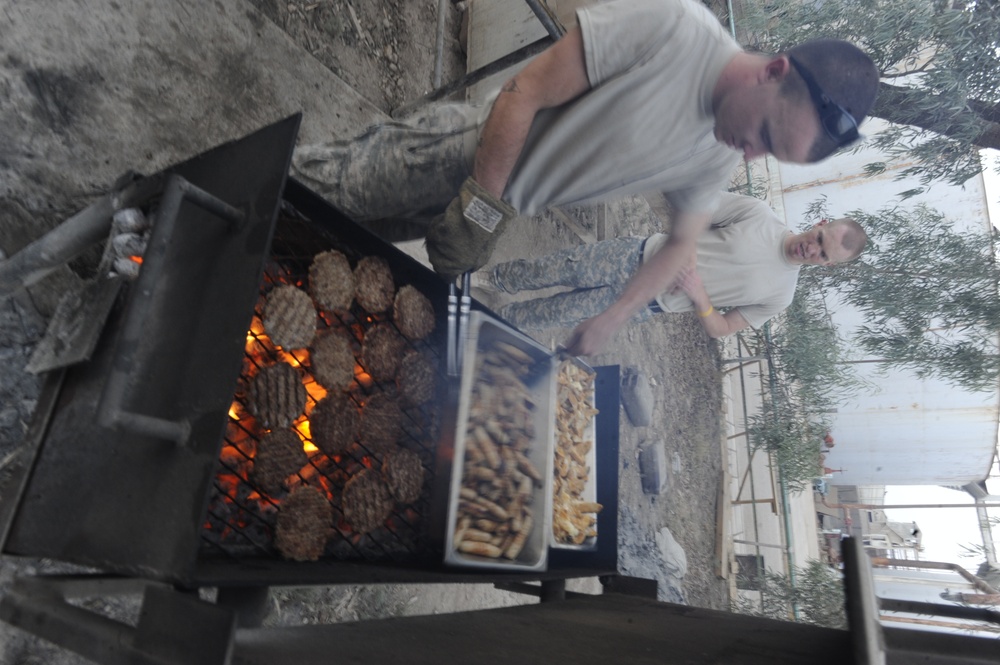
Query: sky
(945, 530)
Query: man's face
(822, 245)
(756, 120)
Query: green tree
(818, 595)
(929, 295)
(940, 70)
(808, 378)
(793, 438)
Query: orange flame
(363, 378)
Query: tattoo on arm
(510, 86)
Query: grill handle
(452, 350)
(464, 307)
(458, 322)
(110, 410)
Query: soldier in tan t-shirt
(747, 264)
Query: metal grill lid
(93, 486)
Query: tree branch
(896, 104)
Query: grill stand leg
(251, 604)
(174, 627)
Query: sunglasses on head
(837, 122)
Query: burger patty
(332, 361)
(381, 422)
(416, 379)
(403, 474)
(366, 501)
(279, 455)
(289, 317)
(381, 352)
(374, 286)
(305, 523)
(276, 395)
(333, 423)
(332, 281)
(413, 313)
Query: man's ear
(777, 68)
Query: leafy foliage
(809, 379)
(818, 594)
(929, 295)
(792, 438)
(940, 69)
(808, 350)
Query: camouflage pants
(597, 273)
(395, 169)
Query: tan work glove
(463, 238)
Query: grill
(240, 518)
(144, 442)
(141, 454)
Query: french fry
(573, 518)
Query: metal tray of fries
(574, 499)
(500, 499)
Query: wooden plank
(585, 630)
(723, 540)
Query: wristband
(711, 308)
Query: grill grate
(241, 517)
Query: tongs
(542, 366)
(458, 322)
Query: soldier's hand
(591, 336)
(463, 238)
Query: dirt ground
(385, 50)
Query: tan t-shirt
(646, 124)
(741, 261)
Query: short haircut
(855, 238)
(844, 72)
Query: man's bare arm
(722, 325)
(556, 76)
(652, 278)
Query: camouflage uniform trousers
(597, 273)
(395, 169)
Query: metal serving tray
(590, 489)
(480, 333)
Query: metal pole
(547, 18)
(439, 44)
(937, 609)
(876, 506)
(884, 562)
(523, 53)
